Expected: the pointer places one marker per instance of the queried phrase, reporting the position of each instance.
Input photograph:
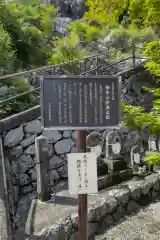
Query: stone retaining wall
(19, 152)
(104, 210)
(18, 136)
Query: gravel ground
(143, 226)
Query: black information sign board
(80, 102)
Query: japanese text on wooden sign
(80, 102)
(82, 173)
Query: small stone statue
(152, 144)
(152, 147)
(114, 158)
(158, 144)
(113, 145)
(95, 144)
(135, 156)
(93, 139)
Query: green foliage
(105, 11)
(39, 15)
(143, 19)
(140, 12)
(103, 17)
(152, 13)
(76, 45)
(85, 32)
(26, 41)
(136, 117)
(67, 49)
(152, 52)
(126, 20)
(145, 13)
(153, 159)
(134, 34)
(132, 38)
(27, 26)
(6, 52)
(15, 86)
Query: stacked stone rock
(109, 208)
(19, 150)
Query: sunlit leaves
(105, 11)
(153, 158)
(67, 49)
(152, 52)
(6, 52)
(29, 25)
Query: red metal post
(82, 198)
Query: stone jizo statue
(113, 145)
(152, 144)
(135, 156)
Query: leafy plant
(28, 25)
(137, 118)
(106, 11)
(26, 41)
(153, 159)
(15, 86)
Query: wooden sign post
(82, 180)
(81, 103)
(82, 198)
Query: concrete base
(105, 181)
(46, 214)
(114, 178)
(102, 166)
(116, 165)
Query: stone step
(105, 181)
(116, 165)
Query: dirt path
(143, 226)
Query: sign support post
(82, 198)
(81, 103)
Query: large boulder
(13, 137)
(33, 127)
(73, 9)
(64, 146)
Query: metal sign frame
(81, 78)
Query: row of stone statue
(111, 146)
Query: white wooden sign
(82, 173)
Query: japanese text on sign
(78, 102)
(107, 102)
(82, 173)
